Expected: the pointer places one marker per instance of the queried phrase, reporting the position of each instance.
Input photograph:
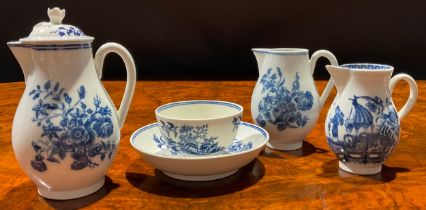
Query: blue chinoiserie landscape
(236, 122)
(193, 140)
(70, 126)
(371, 130)
(280, 106)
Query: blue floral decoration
(280, 106)
(235, 147)
(193, 140)
(74, 130)
(71, 31)
(238, 146)
(380, 130)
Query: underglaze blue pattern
(280, 106)
(70, 126)
(236, 122)
(71, 31)
(238, 146)
(366, 66)
(192, 140)
(235, 147)
(371, 130)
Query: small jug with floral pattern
(285, 100)
(66, 129)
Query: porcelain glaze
(66, 129)
(198, 127)
(362, 125)
(285, 100)
(250, 141)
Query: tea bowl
(198, 127)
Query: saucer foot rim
(71, 194)
(360, 169)
(200, 178)
(284, 146)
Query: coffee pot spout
(340, 76)
(22, 55)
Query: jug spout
(340, 76)
(22, 55)
(259, 53)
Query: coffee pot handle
(327, 54)
(131, 75)
(413, 92)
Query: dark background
(212, 39)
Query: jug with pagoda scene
(362, 125)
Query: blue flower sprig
(62, 31)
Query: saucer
(249, 142)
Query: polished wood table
(308, 178)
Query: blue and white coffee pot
(66, 129)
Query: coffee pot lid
(54, 31)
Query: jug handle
(326, 54)
(413, 93)
(131, 75)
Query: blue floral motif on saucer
(249, 142)
(235, 147)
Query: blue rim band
(277, 51)
(367, 66)
(55, 46)
(167, 106)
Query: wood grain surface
(308, 178)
